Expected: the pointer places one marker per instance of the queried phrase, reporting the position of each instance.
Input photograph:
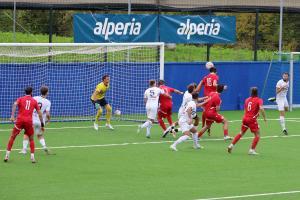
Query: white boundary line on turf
(153, 142)
(252, 195)
(130, 125)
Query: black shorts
(101, 102)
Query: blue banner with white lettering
(92, 28)
(153, 28)
(197, 29)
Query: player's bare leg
(225, 129)
(108, 116)
(11, 141)
(282, 120)
(254, 143)
(171, 129)
(97, 117)
(203, 129)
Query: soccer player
(282, 88)
(99, 101)
(211, 114)
(26, 106)
(44, 105)
(253, 105)
(210, 83)
(186, 122)
(165, 104)
(151, 98)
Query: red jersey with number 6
(209, 81)
(26, 104)
(251, 107)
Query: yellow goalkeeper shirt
(100, 91)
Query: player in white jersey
(44, 105)
(282, 88)
(186, 122)
(151, 98)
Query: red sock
(161, 122)
(31, 146)
(236, 138)
(169, 118)
(12, 138)
(203, 120)
(254, 142)
(226, 132)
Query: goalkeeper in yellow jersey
(98, 99)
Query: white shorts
(180, 112)
(282, 103)
(37, 127)
(184, 126)
(152, 112)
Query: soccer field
(122, 164)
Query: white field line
(252, 195)
(131, 125)
(153, 142)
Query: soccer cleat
(23, 151)
(96, 126)
(139, 129)
(229, 148)
(167, 131)
(173, 132)
(272, 99)
(227, 137)
(109, 126)
(5, 158)
(208, 132)
(33, 160)
(285, 132)
(198, 146)
(148, 136)
(252, 152)
(173, 148)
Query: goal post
(283, 62)
(72, 71)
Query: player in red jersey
(211, 114)
(26, 104)
(253, 105)
(166, 104)
(210, 83)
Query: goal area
(72, 71)
(280, 63)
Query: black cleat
(285, 132)
(208, 132)
(272, 99)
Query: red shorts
(211, 117)
(165, 111)
(250, 123)
(26, 125)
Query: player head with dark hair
(44, 90)
(220, 88)
(161, 82)
(285, 76)
(105, 79)
(152, 83)
(254, 91)
(191, 88)
(195, 95)
(213, 70)
(28, 90)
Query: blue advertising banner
(153, 28)
(115, 28)
(197, 29)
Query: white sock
(181, 139)
(7, 153)
(32, 156)
(146, 124)
(25, 144)
(149, 130)
(282, 122)
(195, 139)
(43, 143)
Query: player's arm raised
(13, 111)
(199, 86)
(204, 99)
(178, 91)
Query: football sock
(43, 143)
(25, 144)
(254, 142)
(148, 130)
(31, 144)
(12, 138)
(161, 123)
(169, 118)
(282, 122)
(98, 115)
(236, 138)
(195, 139)
(225, 132)
(181, 139)
(108, 114)
(146, 124)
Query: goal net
(72, 71)
(280, 63)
